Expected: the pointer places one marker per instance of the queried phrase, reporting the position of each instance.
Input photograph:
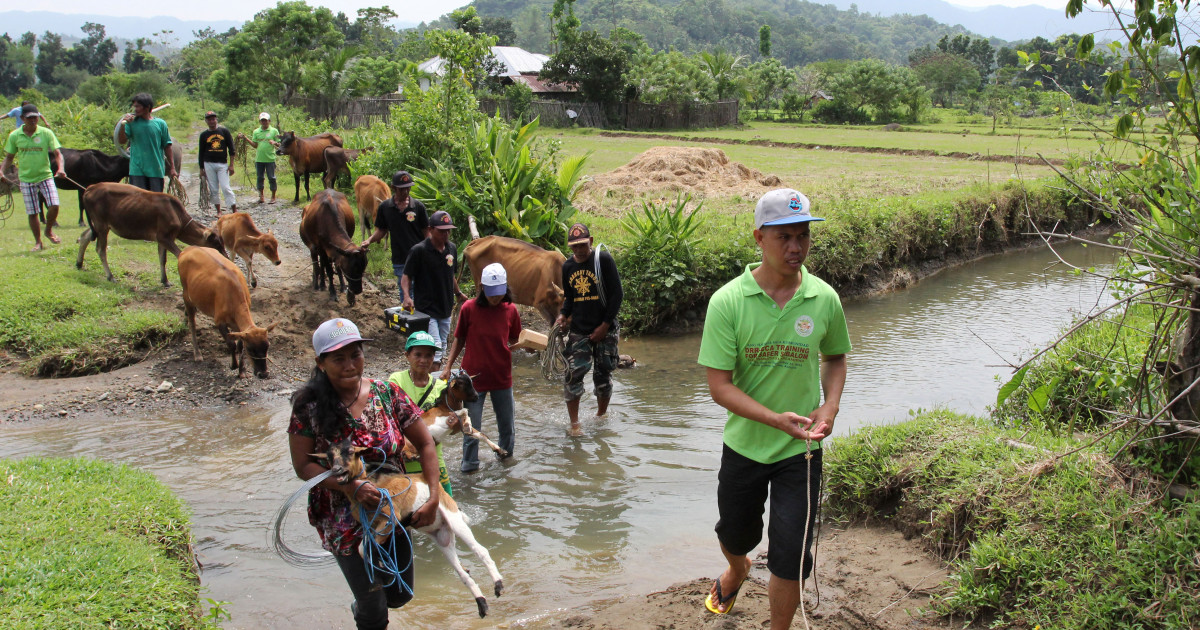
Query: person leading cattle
(775, 339)
(404, 219)
(216, 161)
(150, 160)
(430, 280)
(591, 300)
(36, 145)
(263, 141)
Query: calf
(216, 287)
(337, 161)
(243, 239)
(444, 419)
(408, 493)
(138, 214)
(533, 273)
(306, 155)
(369, 192)
(325, 228)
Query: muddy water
(626, 509)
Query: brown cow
(337, 161)
(533, 273)
(216, 287)
(306, 155)
(138, 214)
(369, 192)
(243, 239)
(325, 228)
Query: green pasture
(827, 177)
(955, 138)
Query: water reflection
(626, 509)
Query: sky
(409, 10)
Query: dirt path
(870, 577)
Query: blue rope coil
(381, 557)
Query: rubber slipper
(722, 600)
(36, 248)
(54, 239)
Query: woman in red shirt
(487, 327)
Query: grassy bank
(865, 244)
(87, 544)
(1033, 540)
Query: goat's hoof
(483, 607)
(499, 587)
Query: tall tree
(16, 66)
(462, 53)
(95, 52)
(596, 64)
(139, 59)
(764, 40)
(274, 48)
(51, 54)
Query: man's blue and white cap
(334, 334)
(781, 207)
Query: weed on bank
(1032, 539)
(88, 544)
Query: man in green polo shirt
(775, 339)
(263, 141)
(33, 145)
(150, 159)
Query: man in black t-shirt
(216, 161)
(430, 280)
(591, 300)
(404, 219)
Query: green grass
(1032, 540)
(827, 178)
(57, 320)
(88, 544)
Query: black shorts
(742, 489)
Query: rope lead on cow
(553, 359)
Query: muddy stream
(626, 509)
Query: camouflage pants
(581, 353)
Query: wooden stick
(163, 106)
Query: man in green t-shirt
(263, 141)
(150, 159)
(775, 339)
(34, 145)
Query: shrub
(519, 97)
(838, 111)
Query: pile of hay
(699, 171)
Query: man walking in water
(591, 300)
(775, 339)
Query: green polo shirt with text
(774, 354)
(32, 153)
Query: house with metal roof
(519, 65)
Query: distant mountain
(1008, 23)
(16, 23)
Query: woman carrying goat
(338, 403)
(488, 326)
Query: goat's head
(344, 460)
(462, 387)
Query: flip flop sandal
(54, 239)
(721, 600)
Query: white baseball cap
(781, 207)
(494, 280)
(334, 334)
(264, 115)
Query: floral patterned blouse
(380, 428)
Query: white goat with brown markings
(408, 493)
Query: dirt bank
(869, 577)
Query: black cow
(87, 167)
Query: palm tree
(722, 66)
